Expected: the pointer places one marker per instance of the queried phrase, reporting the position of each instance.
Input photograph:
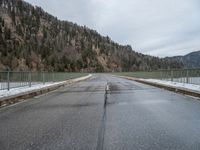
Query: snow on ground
(25, 89)
(16, 91)
(192, 87)
(191, 80)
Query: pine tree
(7, 33)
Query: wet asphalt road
(136, 117)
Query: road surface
(135, 117)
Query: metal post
(53, 77)
(43, 77)
(187, 77)
(172, 76)
(8, 80)
(30, 79)
(181, 76)
(161, 74)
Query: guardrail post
(8, 80)
(29, 76)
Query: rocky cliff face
(31, 39)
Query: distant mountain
(31, 39)
(191, 60)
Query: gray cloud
(155, 27)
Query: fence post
(187, 77)
(29, 79)
(161, 74)
(53, 77)
(8, 80)
(172, 74)
(43, 77)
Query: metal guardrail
(190, 76)
(12, 79)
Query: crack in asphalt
(100, 140)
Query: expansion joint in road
(101, 132)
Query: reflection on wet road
(136, 117)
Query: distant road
(136, 117)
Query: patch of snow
(191, 80)
(187, 86)
(25, 89)
(16, 91)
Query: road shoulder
(11, 99)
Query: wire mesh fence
(190, 76)
(11, 79)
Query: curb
(166, 87)
(26, 95)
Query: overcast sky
(156, 27)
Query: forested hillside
(191, 60)
(31, 39)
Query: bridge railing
(190, 76)
(14, 79)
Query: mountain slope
(31, 39)
(191, 60)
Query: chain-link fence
(11, 79)
(191, 76)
